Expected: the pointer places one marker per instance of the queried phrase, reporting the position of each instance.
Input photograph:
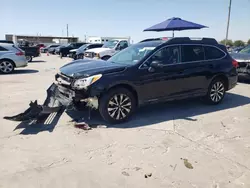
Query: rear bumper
(21, 63)
(232, 82)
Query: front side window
(213, 53)
(191, 53)
(168, 55)
(110, 44)
(123, 45)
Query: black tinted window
(168, 55)
(3, 49)
(213, 53)
(192, 53)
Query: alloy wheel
(28, 58)
(119, 106)
(217, 91)
(6, 66)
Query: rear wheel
(216, 91)
(6, 66)
(105, 58)
(29, 58)
(117, 105)
(80, 56)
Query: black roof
(185, 40)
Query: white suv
(11, 57)
(107, 50)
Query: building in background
(41, 39)
(96, 39)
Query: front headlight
(97, 55)
(85, 82)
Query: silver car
(11, 57)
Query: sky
(117, 18)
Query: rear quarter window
(213, 53)
(2, 49)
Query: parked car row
(11, 57)
(30, 51)
(243, 58)
(89, 50)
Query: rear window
(213, 53)
(17, 48)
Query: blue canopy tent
(175, 24)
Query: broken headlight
(85, 82)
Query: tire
(28, 58)
(105, 58)
(216, 91)
(110, 106)
(80, 56)
(6, 66)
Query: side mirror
(156, 65)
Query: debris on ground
(101, 126)
(82, 125)
(92, 102)
(137, 168)
(125, 173)
(148, 175)
(187, 164)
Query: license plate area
(66, 92)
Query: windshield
(245, 50)
(134, 53)
(110, 44)
(83, 47)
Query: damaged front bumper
(58, 98)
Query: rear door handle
(211, 66)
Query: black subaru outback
(149, 72)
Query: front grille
(63, 80)
(89, 54)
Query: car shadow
(37, 61)
(46, 122)
(145, 116)
(157, 113)
(25, 71)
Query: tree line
(236, 43)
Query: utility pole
(67, 30)
(228, 20)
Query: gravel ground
(182, 144)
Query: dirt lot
(184, 144)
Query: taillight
(19, 53)
(235, 63)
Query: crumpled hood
(241, 56)
(85, 68)
(98, 50)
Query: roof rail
(187, 40)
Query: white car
(107, 50)
(11, 57)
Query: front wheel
(117, 105)
(105, 58)
(216, 92)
